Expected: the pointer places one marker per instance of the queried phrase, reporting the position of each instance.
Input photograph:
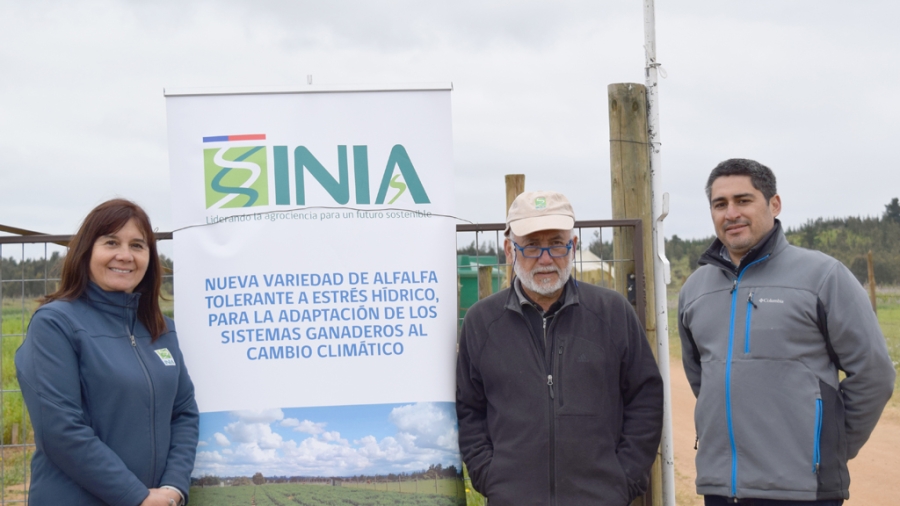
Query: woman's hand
(161, 497)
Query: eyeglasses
(537, 251)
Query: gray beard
(545, 289)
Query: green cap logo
(540, 203)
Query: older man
(558, 395)
(765, 327)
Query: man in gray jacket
(765, 327)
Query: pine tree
(892, 211)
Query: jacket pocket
(773, 445)
(833, 477)
(581, 366)
(713, 457)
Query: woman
(112, 405)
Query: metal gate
(29, 269)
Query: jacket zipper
(734, 295)
(550, 372)
(817, 456)
(750, 307)
(552, 420)
(152, 408)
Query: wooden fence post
(515, 185)
(629, 152)
(485, 281)
(872, 297)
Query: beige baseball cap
(541, 210)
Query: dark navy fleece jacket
(113, 413)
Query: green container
(467, 274)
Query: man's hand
(161, 497)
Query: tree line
(846, 239)
(31, 278)
(434, 471)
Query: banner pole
(660, 209)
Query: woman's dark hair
(108, 218)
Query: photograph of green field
(450, 493)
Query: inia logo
(238, 176)
(235, 176)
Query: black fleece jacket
(583, 431)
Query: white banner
(315, 284)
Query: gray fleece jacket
(762, 344)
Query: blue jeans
(717, 500)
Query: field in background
(324, 495)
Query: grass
(444, 486)
(473, 498)
(15, 422)
(16, 463)
(888, 302)
(321, 495)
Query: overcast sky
(806, 87)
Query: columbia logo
(583, 358)
(772, 301)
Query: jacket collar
(515, 298)
(114, 303)
(772, 243)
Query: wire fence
(29, 269)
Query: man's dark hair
(762, 177)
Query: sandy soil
(873, 473)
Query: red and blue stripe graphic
(229, 138)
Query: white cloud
(313, 453)
(333, 437)
(252, 453)
(209, 457)
(202, 443)
(305, 426)
(258, 416)
(428, 424)
(259, 434)
(221, 439)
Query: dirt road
(873, 473)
